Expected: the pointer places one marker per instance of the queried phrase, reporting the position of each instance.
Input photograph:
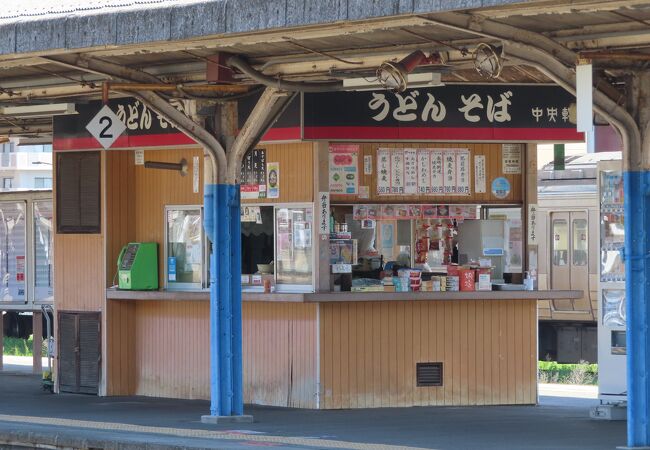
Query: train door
(570, 258)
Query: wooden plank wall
(171, 349)
(280, 354)
(164, 351)
(120, 207)
(79, 262)
(296, 172)
(493, 158)
(488, 350)
(120, 353)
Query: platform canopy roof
(46, 45)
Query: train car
(568, 206)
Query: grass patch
(582, 373)
(21, 347)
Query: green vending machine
(138, 266)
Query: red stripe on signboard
(139, 141)
(474, 134)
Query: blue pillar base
(223, 228)
(217, 420)
(637, 292)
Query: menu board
(408, 171)
(253, 174)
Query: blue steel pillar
(223, 228)
(637, 290)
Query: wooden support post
(37, 326)
(321, 242)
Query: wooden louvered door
(79, 352)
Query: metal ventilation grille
(428, 374)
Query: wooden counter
(336, 350)
(325, 297)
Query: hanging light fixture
(487, 60)
(394, 75)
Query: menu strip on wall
(423, 171)
(480, 186)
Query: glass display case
(185, 248)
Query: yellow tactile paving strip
(194, 433)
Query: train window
(560, 242)
(579, 242)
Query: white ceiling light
(46, 110)
(414, 80)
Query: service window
(78, 200)
(43, 251)
(185, 248)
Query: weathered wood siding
(369, 352)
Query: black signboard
(144, 127)
(487, 111)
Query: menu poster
(367, 165)
(387, 212)
(343, 169)
(410, 171)
(480, 185)
(373, 212)
(383, 171)
(450, 173)
(253, 174)
(424, 172)
(464, 170)
(397, 173)
(437, 181)
(360, 212)
(511, 158)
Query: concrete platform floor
(29, 416)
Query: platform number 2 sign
(106, 127)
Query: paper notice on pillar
(324, 213)
(511, 158)
(533, 239)
(196, 166)
(397, 172)
(424, 172)
(464, 174)
(410, 171)
(273, 179)
(437, 174)
(480, 185)
(449, 161)
(383, 171)
(367, 165)
(139, 157)
(343, 169)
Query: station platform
(30, 417)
